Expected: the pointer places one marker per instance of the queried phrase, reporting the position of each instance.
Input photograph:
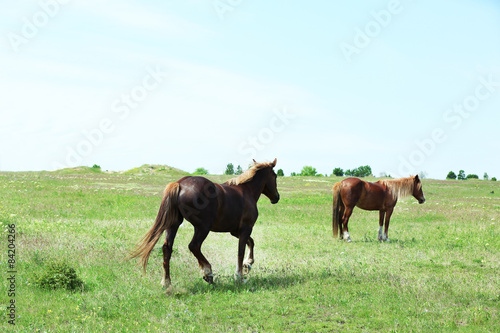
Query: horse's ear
(274, 162)
(254, 161)
(416, 178)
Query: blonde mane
(401, 187)
(249, 174)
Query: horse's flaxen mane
(401, 187)
(249, 174)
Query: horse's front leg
(380, 236)
(243, 236)
(387, 220)
(247, 264)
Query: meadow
(440, 272)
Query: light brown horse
(228, 207)
(382, 196)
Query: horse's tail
(167, 215)
(337, 203)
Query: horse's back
(203, 202)
(365, 195)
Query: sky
(403, 86)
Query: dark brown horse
(229, 207)
(382, 196)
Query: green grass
(440, 272)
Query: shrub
(280, 173)
(451, 175)
(308, 171)
(200, 171)
(362, 171)
(58, 275)
(472, 176)
(494, 179)
(338, 172)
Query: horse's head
(270, 187)
(417, 190)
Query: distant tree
(293, 174)
(494, 179)
(229, 169)
(361, 171)
(338, 172)
(239, 170)
(422, 175)
(308, 171)
(451, 175)
(486, 177)
(280, 173)
(200, 171)
(95, 166)
(461, 175)
(472, 176)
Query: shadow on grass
(397, 241)
(263, 281)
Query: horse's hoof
(246, 269)
(209, 279)
(169, 290)
(348, 240)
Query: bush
(472, 176)
(280, 173)
(494, 179)
(362, 171)
(58, 275)
(451, 175)
(308, 171)
(338, 172)
(200, 171)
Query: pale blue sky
(403, 86)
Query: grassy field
(440, 272)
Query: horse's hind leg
(167, 254)
(345, 221)
(200, 233)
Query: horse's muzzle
(276, 199)
(421, 201)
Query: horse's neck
(254, 187)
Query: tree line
(461, 176)
(362, 171)
(307, 170)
